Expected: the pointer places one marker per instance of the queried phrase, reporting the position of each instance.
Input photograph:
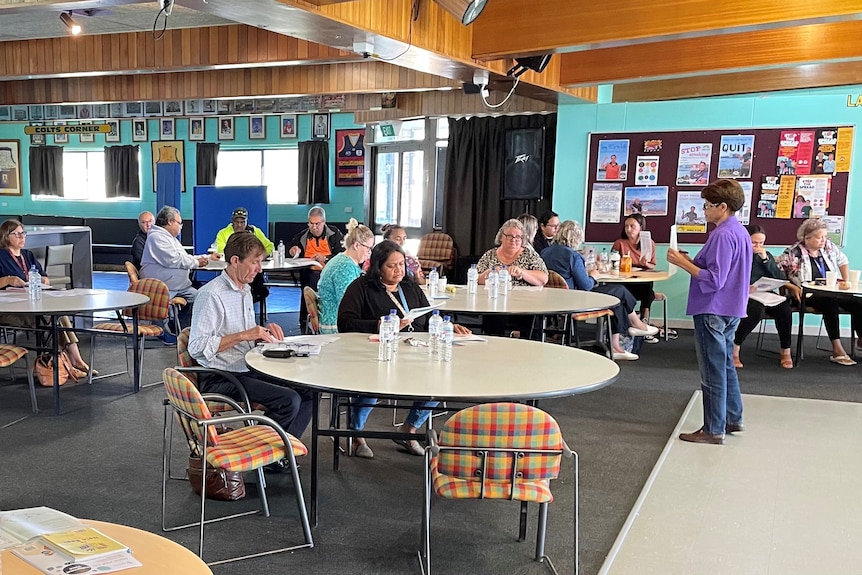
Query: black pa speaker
(524, 177)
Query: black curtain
(314, 172)
(474, 181)
(122, 172)
(46, 171)
(207, 158)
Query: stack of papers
(764, 293)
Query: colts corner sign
(78, 129)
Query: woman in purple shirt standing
(717, 299)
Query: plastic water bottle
(34, 284)
(591, 259)
(384, 348)
(394, 322)
(280, 253)
(493, 283)
(447, 334)
(434, 323)
(504, 281)
(604, 262)
(432, 283)
(615, 260)
(472, 280)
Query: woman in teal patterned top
(340, 272)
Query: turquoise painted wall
(793, 109)
(341, 197)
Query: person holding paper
(340, 272)
(760, 305)
(386, 286)
(717, 297)
(642, 252)
(398, 235)
(811, 258)
(562, 257)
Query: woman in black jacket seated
(386, 286)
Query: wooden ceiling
(228, 48)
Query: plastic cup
(441, 285)
(831, 279)
(854, 278)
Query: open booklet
(763, 291)
(418, 312)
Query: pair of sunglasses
(283, 353)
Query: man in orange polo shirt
(319, 242)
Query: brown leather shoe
(700, 436)
(734, 427)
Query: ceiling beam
(790, 78)
(512, 28)
(678, 58)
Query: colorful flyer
(826, 139)
(693, 166)
(734, 157)
(794, 152)
(690, 218)
(844, 149)
(786, 192)
(767, 205)
(646, 200)
(743, 214)
(613, 160)
(812, 196)
(605, 203)
(350, 157)
(646, 171)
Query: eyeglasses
(710, 205)
(19, 234)
(178, 223)
(370, 248)
(312, 224)
(510, 237)
(555, 226)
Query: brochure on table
(763, 291)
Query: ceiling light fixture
(465, 10)
(69, 22)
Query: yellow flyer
(786, 190)
(844, 149)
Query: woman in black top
(763, 265)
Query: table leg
(800, 330)
(263, 311)
(544, 327)
(55, 353)
(136, 354)
(315, 428)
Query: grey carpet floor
(101, 459)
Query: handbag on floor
(222, 485)
(45, 369)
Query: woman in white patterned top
(524, 265)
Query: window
(277, 169)
(83, 176)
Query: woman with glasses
(399, 235)
(340, 272)
(562, 257)
(549, 221)
(15, 265)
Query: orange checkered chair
(260, 442)
(312, 304)
(176, 302)
(9, 355)
(497, 451)
(436, 249)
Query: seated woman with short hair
(386, 286)
(562, 257)
(340, 272)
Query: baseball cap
(240, 213)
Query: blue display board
(215, 205)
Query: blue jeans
(185, 315)
(722, 402)
(363, 406)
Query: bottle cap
(447, 318)
(435, 312)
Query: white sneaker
(625, 356)
(650, 330)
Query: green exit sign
(388, 130)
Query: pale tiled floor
(782, 498)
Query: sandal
(786, 362)
(737, 363)
(842, 360)
(671, 333)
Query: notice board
(788, 174)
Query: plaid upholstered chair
(176, 302)
(9, 355)
(436, 249)
(602, 318)
(312, 304)
(260, 442)
(497, 451)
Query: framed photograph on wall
(87, 138)
(10, 168)
(139, 130)
(208, 106)
(193, 107)
(21, 113)
(288, 125)
(37, 113)
(167, 129)
(61, 138)
(133, 109)
(114, 134)
(320, 126)
(167, 152)
(173, 108)
(152, 108)
(37, 140)
(100, 111)
(257, 127)
(196, 129)
(52, 112)
(225, 128)
(224, 106)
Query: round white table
(500, 369)
(56, 303)
(809, 288)
(637, 276)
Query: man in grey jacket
(165, 259)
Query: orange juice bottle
(626, 264)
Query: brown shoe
(734, 427)
(700, 436)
